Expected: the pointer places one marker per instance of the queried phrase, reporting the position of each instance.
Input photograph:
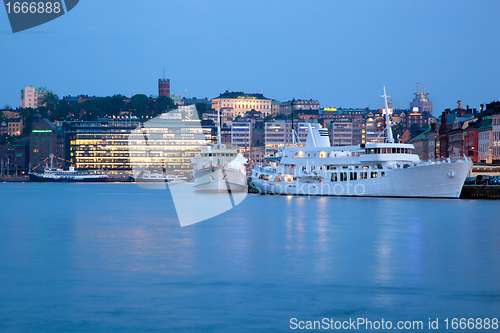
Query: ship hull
(220, 180)
(443, 180)
(41, 179)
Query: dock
(480, 192)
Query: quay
(480, 192)
(12, 179)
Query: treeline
(139, 105)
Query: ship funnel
(317, 136)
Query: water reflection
(100, 257)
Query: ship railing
(265, 169)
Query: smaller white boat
(154, 176)
(219, 169)
(52, 174)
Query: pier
(480, 192)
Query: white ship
(154, 176)
(385, 169)
(219, 169)
(51, 174)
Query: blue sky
(339, 52)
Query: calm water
(112, 257)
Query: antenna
(218, 122)
(293, 130)
(163, 72)
(390, 139)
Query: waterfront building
(13, 126)
(308, 114)
(164, 87)
(495, 120)
(485, 140)
(32, 97)
(241, 134)
(83, 98)
(15, 158)
(374, 126)
(421, 103)
(278, 134)
(405, 137)
(431, 149)
(241, 102)
(399, 117)
(258, 156)
(173, 139)
(418, 144)
(177, 99)
(46, 139)
(28, 98)
(194, 100)
(456, 140)
(170, 146)
(337, 114)
(421, 119)
(345, 132)
(275, 107)
(9, 113)
(426, 143)
(4, 127)
(99, 144)
(299, 105)
(447, 124)
(471, 141)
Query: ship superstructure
(387, 169)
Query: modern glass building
(167, 144)
(99, 144)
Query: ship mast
(293, 130)
(390, 139)
(218, 123)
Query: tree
(5, 139)
(414, 128)
(50, 100)
(27, 115)
(139, 105)
(163, 103)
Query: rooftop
(241, 95)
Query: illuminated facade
(12, 127)
(241, 134)
(99, 144)
(166, 144)
(299, 105)
(495, 120)
(421, 104)
(347, 133)
(278, 134)
(374, 126)
(240, 103)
